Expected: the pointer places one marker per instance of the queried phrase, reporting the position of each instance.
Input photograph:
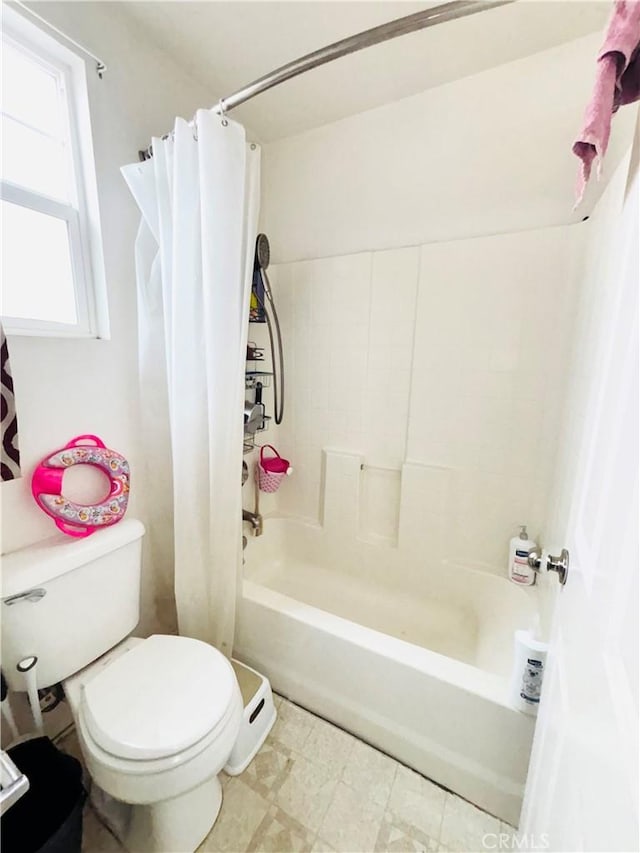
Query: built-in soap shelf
(379, 493)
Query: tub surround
(430, 367)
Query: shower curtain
(199, 201)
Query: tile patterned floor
(315, 788)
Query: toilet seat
(158, 700)
(222, 737)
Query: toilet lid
(159, 698)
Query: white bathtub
(422, 674)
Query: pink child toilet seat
(77, 519)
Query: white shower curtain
(194, 251)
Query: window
(52, 265)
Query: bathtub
(417, 665)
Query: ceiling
(225, 45)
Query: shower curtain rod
(384, 32)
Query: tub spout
(254, 519)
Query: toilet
(157, 718)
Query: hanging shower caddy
(255, 380)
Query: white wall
(485, 154)
(67, 387)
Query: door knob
(544, 560)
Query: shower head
(263, 252)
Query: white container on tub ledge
(529, 659)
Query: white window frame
(81, 214)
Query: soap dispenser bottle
(520, 571)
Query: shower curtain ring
(222, 107)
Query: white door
(582, 790)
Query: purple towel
(617, 83)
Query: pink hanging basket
(271, 471)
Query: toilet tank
(68, 601)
